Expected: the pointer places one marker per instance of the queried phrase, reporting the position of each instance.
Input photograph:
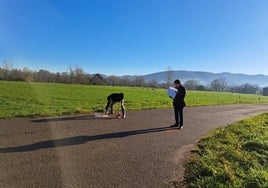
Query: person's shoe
(181, 127)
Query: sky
(135, 37)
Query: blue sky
(118, 37)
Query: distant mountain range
(205, 78)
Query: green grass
(22, 99)
(233, 156)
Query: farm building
(265, 91)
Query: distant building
(265, 91)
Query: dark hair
(177, 81)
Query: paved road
(83, 151)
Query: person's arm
(181, 93)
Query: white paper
(172, 91)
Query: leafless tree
(27, 74)
(78, 75)
(7, 67)
(64, 78)
(153, 83)
(139, 81)
(191, 84)
(113, 80)
(218, 84)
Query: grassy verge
(22, 99)
(233, 156)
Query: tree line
(74, 75)
(77, 75)
(222, 86)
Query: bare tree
(27, 74)
(71, 74)
(125, 81)
(153, 83)
(112, 80)
(246, 88)
(139, 81)
(191, 84)
(16, 75)
(78, 74)
(218, 85)
(7, 66)
(64, 77)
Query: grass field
(233, 156)
(22, 99)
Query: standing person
(179, 104)
(113, 98)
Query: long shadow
(70, 118)
(78, 140)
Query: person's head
(177, 83)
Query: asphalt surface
(83, 151)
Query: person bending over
(112, 99)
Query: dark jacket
(179, 98)
(116, 97)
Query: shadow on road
(78, 140)
(71, 118)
